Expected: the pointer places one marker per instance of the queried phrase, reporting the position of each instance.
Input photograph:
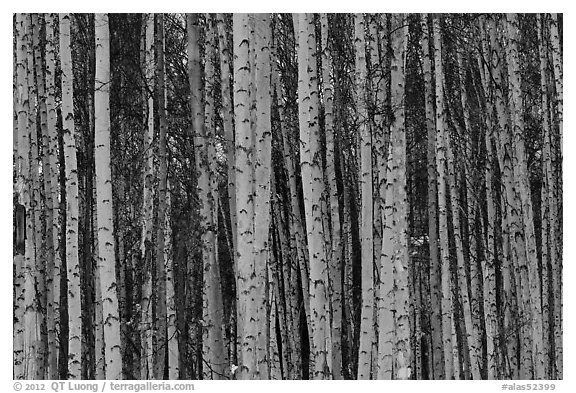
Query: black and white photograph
(287, 196)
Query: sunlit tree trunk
(106, 252)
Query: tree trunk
(71, 171)
(311, 168)
(447, 308)
(146, 324)
(106, 253)
(435, 276)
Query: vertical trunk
(489, 267)
(435, 281)
(71, 173)
(160, 322)
(401, 262)
(204, 139)
(244, 202)
(366, 322)
(54, 296)
(262, 156)
(336, 251)
(548, 204)
(106, 253)
(513, 244)
(228, 121)
(47, 331)
(557, 241)
(521, 172)
(447, 309)
(312, 189)
(147, 209)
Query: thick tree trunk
(106, 252)
(312, 186)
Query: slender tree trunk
(521, 171)
(53, 296)
(160, 322)
(366, 322)
(204, 139)
(71, 173)
(336, 251)
(106, 253)
(147, 209)
(548, 205)
(435, 277)
(447, 308)
(489, 267)
(557, 241)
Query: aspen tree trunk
(71, 171)
(20, 100)
(160, 321)
(375, 98)
(106, 253)
(34, 308)
(470, 348)
(54, 296)
(262, 155)
(312, 189)
(399, 41)
(244, 202)
(548, 203)
(47, 331)
(557, 240)
(435, 280)
(147, 209)
(386, 323)
(447, 308)
(297, 223)
(474, 339)
(336, 251)
(296, 227)
(204, 139)
(228, 121)
(558, 83)
(489, 268)
(281, 279)
(297, 261)
(26, 313)
(366, 322)
(510, 221)
(521, 171)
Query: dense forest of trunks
(277, 196)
